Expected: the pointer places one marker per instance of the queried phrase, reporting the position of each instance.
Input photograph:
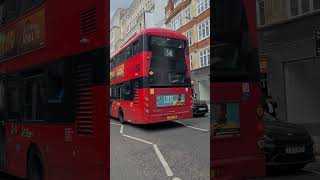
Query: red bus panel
(53, 75)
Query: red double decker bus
(150, 78)
(236, 124)
(53, 89)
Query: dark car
(287, 144)
(199, 108)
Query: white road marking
(200, 129)
(163, 161)
(138, 139)
(159, 154)
(115, 124)
(176, 178)
(121, 129)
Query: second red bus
(150, 78)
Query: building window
(204, 57)
(202, 5)
(189, 36)
(294, 7)
(316, 4)
(187, 14)
(305, 6)
(176, 23)
(261, 9)
(204, 29)
(176, 3)
(298, 7)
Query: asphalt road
(170, 150)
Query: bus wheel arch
(35, 166)
(121, 116)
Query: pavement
(172, 150)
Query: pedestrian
(271, 106)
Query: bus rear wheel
(35, 168)
(121, 117)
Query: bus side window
(28, 4)
(55, 83)
(2, 100)
(125, 92)
(136, 47)
(35, 97)
(113, 92)
(2, 17)
(12, 9)
(13, 100)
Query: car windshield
(168, 64)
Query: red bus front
(155, 85)
(236, 128)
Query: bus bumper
(157, 118)
(238, 168)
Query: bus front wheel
(121, 117)
(35, 168)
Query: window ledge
(288, 20)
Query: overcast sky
(115, 4)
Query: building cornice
(177, 10)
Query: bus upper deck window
(2, 17)
(2, 98)
(12, 9)
(28, 4)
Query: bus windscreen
(168, 66)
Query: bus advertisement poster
(25, 36)
(226, 120)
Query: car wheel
(296, 167)
(202, 115)
(121, 117)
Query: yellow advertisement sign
(117, 72)
(24, 36)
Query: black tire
(202, 115)
(296, 167)
(121, 117)
(35, 166)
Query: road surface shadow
(4, 176)
(170, 125)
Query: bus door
(2, 119)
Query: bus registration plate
(173, 117)
(295, 150)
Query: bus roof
(153, 31)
